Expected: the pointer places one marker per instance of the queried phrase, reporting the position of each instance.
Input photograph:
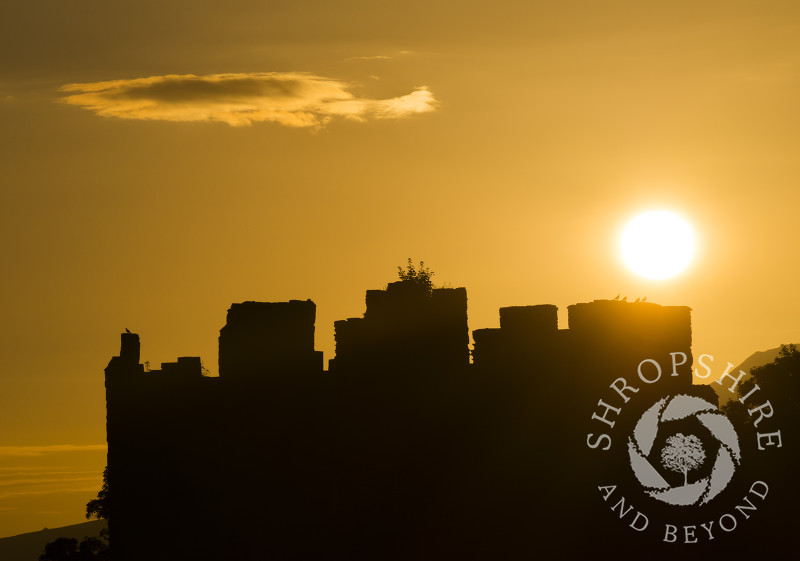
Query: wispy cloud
(27, 451)
(292, 99)
(33, 481)
(373, 57)
(24, 481)
(51, 491)
(44, 480)
(397, 54)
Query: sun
(657, 244)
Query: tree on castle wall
(420, 276)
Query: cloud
(397, 54)
(373, 57)
(28, 451)
(46, 481)
(291, 99)
(39, 492)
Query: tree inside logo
(683, 450)
(683, 453)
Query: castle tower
(406, 327)
(262, 338)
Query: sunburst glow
(657, 244)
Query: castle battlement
(276, 459)
(405, 326)
(260, 338)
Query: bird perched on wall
(624, 299)
(644, 299)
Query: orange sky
(162, 160)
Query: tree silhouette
(90, 548)
(98, 508)
(68, 549)
(780, 378)
(61, 549)
(421, 276)
(682, 454)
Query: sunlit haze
(162, 160)
(657, 244)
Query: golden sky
(160, 160)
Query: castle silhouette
(403, 448)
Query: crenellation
(337, 466)
(260, 338)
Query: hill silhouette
(758, 358)
(28, 546)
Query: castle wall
(268, 337)
(406, 327)
(276, 459)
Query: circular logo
(683, 450)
